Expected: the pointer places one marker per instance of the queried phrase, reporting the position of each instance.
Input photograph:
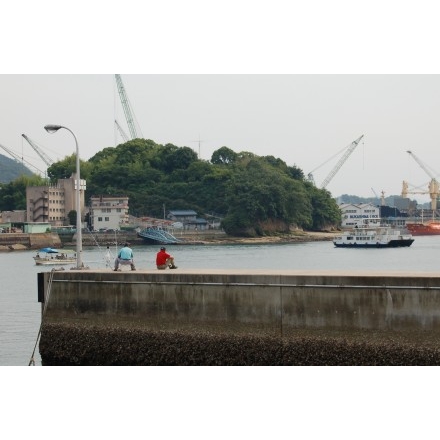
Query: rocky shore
(17, 242)
(275, 239)
(208, 237)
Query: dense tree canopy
(254, 195)
(13, 194)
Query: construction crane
(381, 198)
(46, 159)
(127, 107)
(121, 131)
(375, 194)
(336, 168)
(19, 159)
(433, 187)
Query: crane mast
(46, 159)
(126, 106)
(341, 161)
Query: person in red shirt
(164, 260)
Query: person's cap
(162, 249)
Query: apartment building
(52, 203)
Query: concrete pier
(223, 317)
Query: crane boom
(121, 131)
(341, 161)
(18, 159)
(422, 165)
(46, 159)
(11, 153)
(126, 106)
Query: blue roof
(49, 250)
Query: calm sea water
(20, 311)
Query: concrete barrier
(239, 318)
(29, 241)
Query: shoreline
(276, 239)
(188, 239)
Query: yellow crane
(433, 187)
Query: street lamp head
(51, 128)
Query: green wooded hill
(10, 169)
(253, 195)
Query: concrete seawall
(239, 318)
(20, 241)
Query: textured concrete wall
(31, 241)
(273, 310)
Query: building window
(99, 219)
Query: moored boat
(50, 256)
(424, 228)
(373, 237)
(155, 235)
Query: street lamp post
(52, 129)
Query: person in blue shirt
(125, 256)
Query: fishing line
(107, 256)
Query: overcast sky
(306, 120)
(296, 80)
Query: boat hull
(42, 262)
(390, 244)
(423, 229)
(54, 262)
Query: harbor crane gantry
(46, 159)
(336, 168)
(433, 187)
(127, 107)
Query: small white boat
(373, 237)
(51, 256)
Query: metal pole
(78, 208)
(52, 129)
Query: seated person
(164, 260)
(125, 256)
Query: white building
(359, 214)
(108, 212)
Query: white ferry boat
(373, 237)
